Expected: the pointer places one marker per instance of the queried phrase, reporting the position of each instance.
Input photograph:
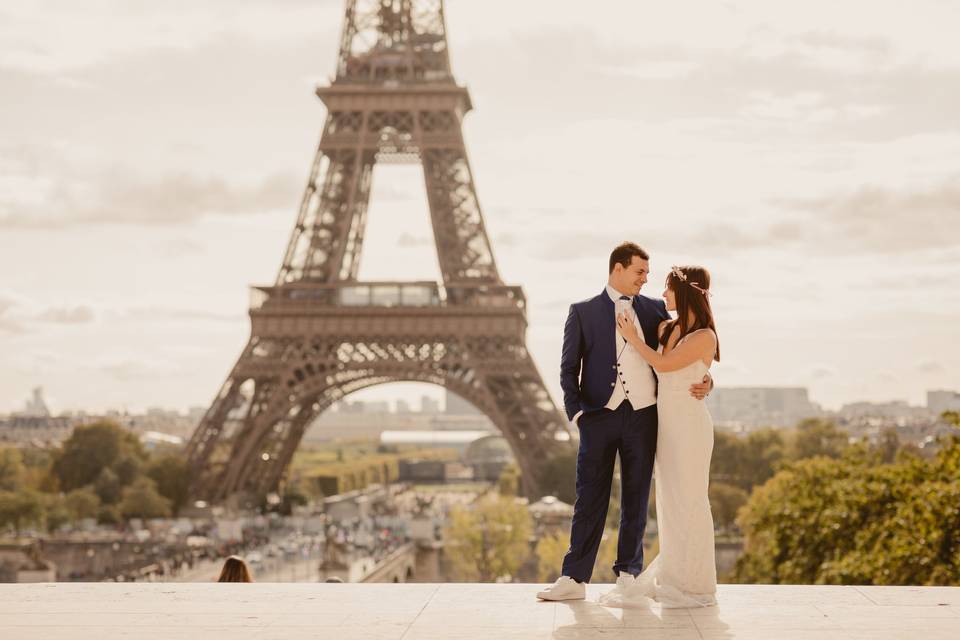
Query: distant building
(488, 456)
(940, 401)
(458, 440)
(162, 421)
(376, 406)
(898, 409)
(35, 430)
(196, 413)
(457, 406)
(551, 514)
(361, 406)
(749, 407)
(36, 406)
(153, 439)
(429, 405)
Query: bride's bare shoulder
(703, 335)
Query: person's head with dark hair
(629, 267)
(235, 570)
(688, 293)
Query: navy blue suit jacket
(588, 361)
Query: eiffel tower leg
(527, 417)
(281, 440)
(274, 442)
(248, 454)
(206, 450)
(326, 241)
(462, 245)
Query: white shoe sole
(556, 598)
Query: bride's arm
(695, 347)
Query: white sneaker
(565, 588)
(618, 594)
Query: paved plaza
(265, 611)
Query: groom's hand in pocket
(702, 389)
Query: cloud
(119, 199)
(136, 367)
(822, 371)
(54, 40)
(8, 323)
(505, 240)
(169, 313)
(67, 315)
(930, 366)
(847, 87)
(886, 376)
(409, 240)
(17, 314)
(879, 219)
(870, 219)
(390, 191)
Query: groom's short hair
(624, 254)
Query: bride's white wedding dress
(684, 573)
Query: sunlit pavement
(462, 611)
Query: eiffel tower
(319, 334)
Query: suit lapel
(608, 323)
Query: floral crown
(675, 270)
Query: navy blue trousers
(604, 434)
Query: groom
(610, 394)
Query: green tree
(107, 486)
(128, 466)
(94, 447)
(509, 481)
(82, 503)
(550, 551)
(142, 500)
(12, 469)
(816, 437)
(19, 509)
(38, 474)
(727, 458)
(55, 512)
(109, 514)
(560, 476)
(763, 454)
(749, 461)
(854, 521)
(171, 473)
(490, 539)
(725, 501)
(888, 446)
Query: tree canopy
(857, 520)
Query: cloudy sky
(152, 157)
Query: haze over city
(152, 160)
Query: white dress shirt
(635, 381)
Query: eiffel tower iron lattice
(319, 334)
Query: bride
(684, 573)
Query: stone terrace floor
(263, 611)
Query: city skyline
(805, 156)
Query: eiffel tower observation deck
(318, 334)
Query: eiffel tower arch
(319, 334)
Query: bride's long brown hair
(691, 295)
